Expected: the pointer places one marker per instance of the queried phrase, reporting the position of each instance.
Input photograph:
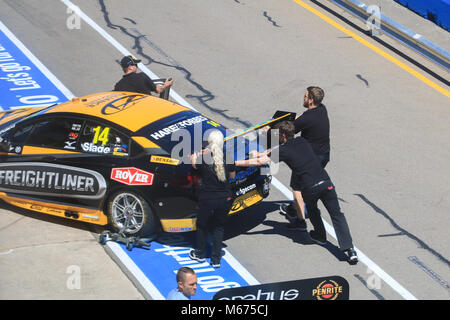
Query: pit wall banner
(323, 288)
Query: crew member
(311, 179)
(139, 82)
(214, 198)
(314, 126)
(186, 285)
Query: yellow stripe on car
(145, 143)
(38, 150)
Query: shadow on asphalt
(242, 224)
(239, 224)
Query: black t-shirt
(135, 82)
(300, 158)
(211, 187)
(315, 127)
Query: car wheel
(131, 214)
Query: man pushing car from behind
(311, 179)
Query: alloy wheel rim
(128, 213)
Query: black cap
(128, 61)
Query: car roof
(129, 110)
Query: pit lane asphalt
(238, 61)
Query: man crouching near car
(312, 181)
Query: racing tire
(129, 213)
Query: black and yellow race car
(113, 158)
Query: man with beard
(310, 178)
(314, 126)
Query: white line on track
(275, 182)
(121, 48)
(362, 257)
(6, 252)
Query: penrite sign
(323, 288)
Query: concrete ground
(48, 258)
(237, 62)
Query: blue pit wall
(437, 11)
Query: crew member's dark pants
(211, 218)
(323, 159)
(327, 194)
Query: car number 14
(101, 135)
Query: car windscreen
(10, 117)
(184, 133)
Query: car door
(93, 148)
(30, 166)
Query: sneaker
(298, 224)
(286, 208)
(288, 211)
(194, 256)
(317, 238)
(215, 264)
(352, 256)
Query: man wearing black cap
(134, 81)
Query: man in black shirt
(311, 180)
(133, 81)
(314, 126)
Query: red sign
(132, 176)
(74, 135)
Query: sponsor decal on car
(177, 126)
(46, 179)
(242, 191)
(164, 160)
(90, 147)
(121, 104)
(242, 176)
(245, 201)
(76, 127)
(70, 145)
(73, 135)
(132, 176)
(93, 102)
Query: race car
(116, 158)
